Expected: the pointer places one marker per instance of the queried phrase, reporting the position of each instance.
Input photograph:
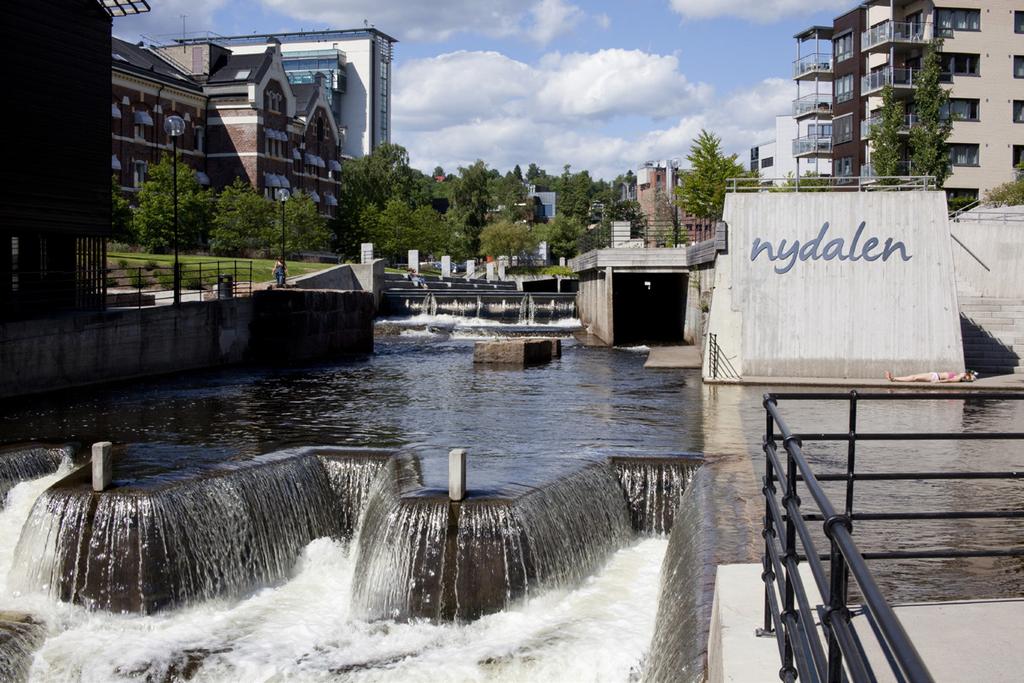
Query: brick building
(243, 119)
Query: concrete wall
(698, 301)
(989, 254)
(55, 353)
(829, 314)
(297, 325)
(368, 277)
(594, 302)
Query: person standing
(280, 272)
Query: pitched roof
(245, 68)
(133, 58)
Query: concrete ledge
(999, 383)
(678, 357)
(515, 352)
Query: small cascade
(654, 487)
(351, 476)
(143, 549)
(29, 461)
(679, 647)
(20, 635)
(527, 311)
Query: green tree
(120, 213)
(398, 228)
(574, 195)
(471, 201)
(438, 172)
(504, 238)
(703, 190)
(518, 173)
(562, 234)
(243, 222)
(154, 219)
(886, 148)
(929, 153)
(508, 194)
(304, 228)
(1008, 194)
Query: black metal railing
(131, 286)
(800, 629)
(719, 365)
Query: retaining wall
(594, 301)
(988, 253)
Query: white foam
(461, 322)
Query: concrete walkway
(998, 383)
(686, 357)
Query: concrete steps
(993, 334)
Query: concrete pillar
(561, 261)
(366, 252)
(502, 265)
(470, 268)
(102, 465)
(490, 270)
(457, 474)
(446, 266)
(414, 260)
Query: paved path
(998, 383)
(674, 357)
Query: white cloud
(163, 21)
(755, 10)
(576, 108)
(603, 21)
(439, 20)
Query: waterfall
(654, 487)
(140, 549)
(29, 461)
(679, 646)
(527, 311)
(20, 635)
(351, 475)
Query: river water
(421, 391)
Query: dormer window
(319, 129)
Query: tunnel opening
(648, 307)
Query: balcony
(902, 80)
(817, 65)
(812, 146)
(895, 34)
(909, 121)
(817, 104)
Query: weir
(510, 307)
(19, 462)
(143, 547)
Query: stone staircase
(993, 334)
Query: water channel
(524, 429)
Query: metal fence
(800, 629)
(134, 286)
(832, 184)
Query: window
(1018, 22)
(823, 130)
(319, 129)
(844, 88)
(1018, 155)
(963, 155)
(961, 110)
(1018, 111)
(139, 173)
(949, 20)
(199, 139)
(843, 167)
(842, 129)
(767, 162)
(842, 47)
(961, 193)
(960, 64)
(1018, 66)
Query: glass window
(1018, 155)
(767, 162)
(1018, 22)
(1018, 111)
(842, 129)
(843, 47)
(844, 88)
(961, 109)
(963, 155)
(960, 64)
(844, 167)
(199, 138)
(139, 175)
(949, 20)
(1018, 66)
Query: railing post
(788, 671)
(839, 572)
(768, 532)
(138, 284)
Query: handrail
(794, 622)
(830, 184)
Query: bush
(1007, 194)
(957, 203)
(152, 265)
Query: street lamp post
(174, 126)
(282, 197)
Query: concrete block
(102, 465)
(366, 252)
(414, 260)
(446, 266)
(490, 270)
(561, 261)
(502, 265)
(470, 268)
(513, 352)
(457, 474)
(553, 342)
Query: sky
(596, 84)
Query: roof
(814, 32)
(293, 37)
(305, 95)
(247, 68)
(132, 58)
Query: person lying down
(946, 377)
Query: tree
(703, 190)
(398, 228)
(885, 137)
(243, 222)
(438, 172)
(504, 238)
(154, 219)
(120, 213)
(518, 173)
(929, 153)
(574, 195)
(509, 194)
(1008, 194)
(533, 172)
(471, 200)
(305, 229)
(562, 234)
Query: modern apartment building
(357, 64)
(812, 108)
(774, 159)
(881, 42)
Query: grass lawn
(262, 269)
